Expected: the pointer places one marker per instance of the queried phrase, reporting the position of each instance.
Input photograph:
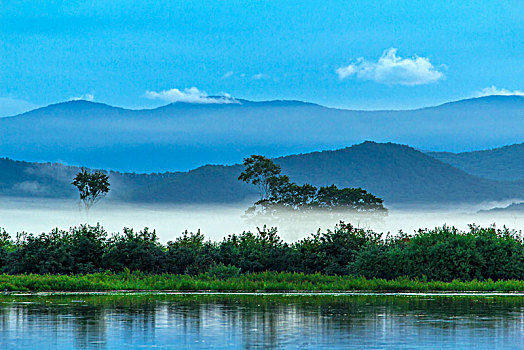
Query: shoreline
(259, 283)
(263, 293)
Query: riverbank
(256, 282)
(440, 254)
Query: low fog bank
(216, 222)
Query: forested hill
(505, 163)
(183, 136)
(396, 173)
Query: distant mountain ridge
(512, 209)
(182, 136)
(492, 101)
(504, 163)
(397, 173)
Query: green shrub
(332, 252)
(189, 254)
(134, 251)
(445, 254)
(221, 271)
(256, 252)
(441, 254)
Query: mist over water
(216, 222)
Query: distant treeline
(441, 254)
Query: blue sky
(351, 54)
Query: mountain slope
(397, 173)
(504, 163)
(182, 136)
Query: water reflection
(259, 321)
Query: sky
(349, 54)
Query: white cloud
(344, 72)
(259, 76)
(493, 90)
(86, 97)
(189, 95)
(392, 70)
(228, 75)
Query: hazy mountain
(397, 173)
(181, 136)
(512, 209)
(504, 163)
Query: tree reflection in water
(257, 321)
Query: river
(260, 321)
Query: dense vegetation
(442, 254)
(279, 194)
(252, 282)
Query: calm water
(260, 321)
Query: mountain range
(504, 163)
(397, 173)
(182, 136)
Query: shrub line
(322, 261)
(266, 282)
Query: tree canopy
(92, 186)
(262, 172)
(278, 192)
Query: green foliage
(446, 254)
(134, 251)
(92, 186)
(278, 193)
(189, 254)
(5, 246)
(261, 171)
(255, 252)
(44, 253)
(222, 272)
(78, 250)
(87, 246)
(332, 252)
(256, 282)
(441, 254)
(356, 199)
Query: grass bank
(264, 282)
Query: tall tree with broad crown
(92, 186)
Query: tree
(278, 193)
(356, 199)
(261, 171)
(92, 186)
